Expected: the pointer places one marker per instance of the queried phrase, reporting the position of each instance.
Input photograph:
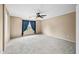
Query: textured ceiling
(51, 10)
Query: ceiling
(51, 10)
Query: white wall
(6, 26)
(77, 29)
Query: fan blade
(43, 15)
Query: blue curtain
(25, 24)
(33, 25)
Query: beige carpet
(39, 44)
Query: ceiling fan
(39, 14)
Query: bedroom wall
(63, 27)
(6, 26)
(16, 27)
(1, 27)
(38, 27)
